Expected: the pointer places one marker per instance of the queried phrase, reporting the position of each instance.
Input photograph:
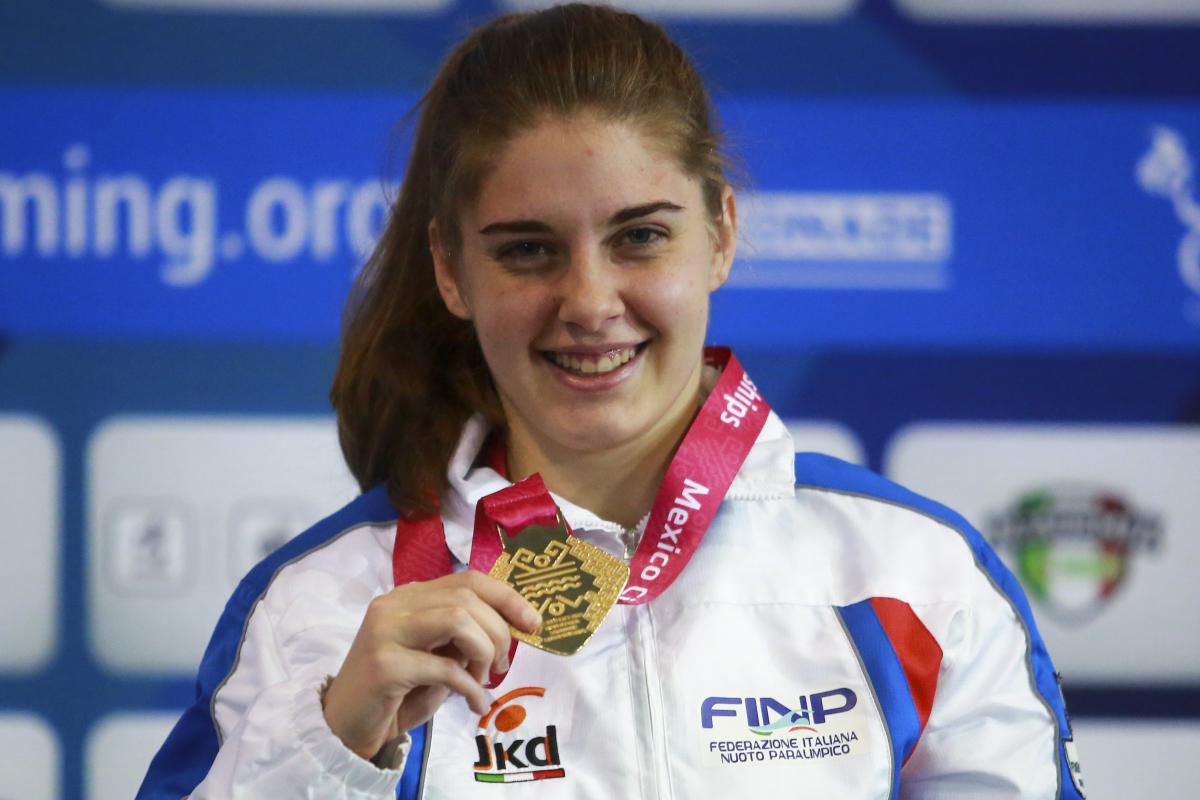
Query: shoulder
(369, 510)
(350, 548)
(817, 472)
(908, 530)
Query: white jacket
(835, 636)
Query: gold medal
(572, 584)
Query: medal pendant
(572, 584)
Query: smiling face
(586, 264)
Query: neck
(618, 483)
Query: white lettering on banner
(292, 6)
(191, 247)
(743, 10)
(790, 226)
(875, 240)
(1087, 12)
(1166, 171)
(123, 214)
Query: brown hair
(411, 373)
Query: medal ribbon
(708, 458)
(511, 509)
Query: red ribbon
(512, 509)
(704, 466)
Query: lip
(595, 383)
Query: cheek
(510, 319)
(684, 293)
(674, 305)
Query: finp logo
(1166, 171)
(505, 758)
(812, 710)
(819, 726)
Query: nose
(590, 293)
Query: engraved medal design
(572, 583)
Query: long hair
(411, 373)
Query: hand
(418, 644)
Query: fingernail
(531, 618)
(502, 664)
(491, 699)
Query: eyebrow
(537, 226)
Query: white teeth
(593, 365)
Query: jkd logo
(1073, 544)
(505, 757)
(1166, 170)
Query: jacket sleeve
(256, 728)
(969, 697)
(998, 726)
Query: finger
(419, 706)
(507, 601)
(461, 596)
(460, 590)
(478, 669)
(434, 628)
(426, 669)
(490, 621)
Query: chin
(591, 433)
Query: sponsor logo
(1166, 171)
(1072, 545)
(150, 546)
(507, 752)
(847, 241)
(811, 729)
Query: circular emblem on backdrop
(1072, 545)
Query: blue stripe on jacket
(189, 751)
(825, 472)
(888, 682)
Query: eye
(523, 252)
(642, 237)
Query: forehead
(580, 166)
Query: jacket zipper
(654, 706)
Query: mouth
(594, 363)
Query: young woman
(534, 318)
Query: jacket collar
(767, 473)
